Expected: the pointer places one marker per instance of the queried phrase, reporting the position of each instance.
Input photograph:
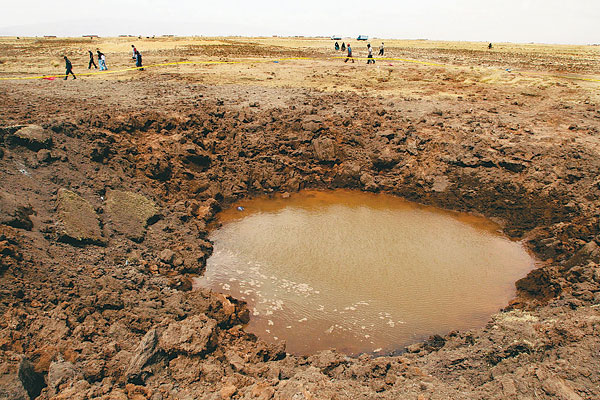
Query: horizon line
(94, 36)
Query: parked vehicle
(362, 37)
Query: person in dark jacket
(343, 46)
(69, 68)
(92, 61)
(138, 60)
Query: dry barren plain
(109, 182)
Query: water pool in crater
(360, 272)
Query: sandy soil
(109, 182)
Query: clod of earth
(194, 335)
(34, 137)
(130, 213)
(15, 211)
(79, 221)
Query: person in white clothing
(370, 58)
(101, 61)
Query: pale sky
(540, 21)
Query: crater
(360, 272)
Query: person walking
(92, 61)
(370, 59)
(134, 51)
(343, 46)
(138, 60)
(102, 60)
(69, 68)
(381, 49)
(349, 54)
(337, 46)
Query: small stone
(44, 156)
(415, 348)
(61, 372)
(167, 256)
(193, 335)
(440, 183)
(262, 391)
(369, 182)
(227, 391)
(14, 211)
(325, 149)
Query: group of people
(101, 60)
(136, 56)
(370, 59)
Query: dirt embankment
(103, 218)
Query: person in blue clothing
(101, 60)
(349, 54)
(138, 60)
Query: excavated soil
(108, 184)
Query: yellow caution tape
(156, 65)
(407, 60)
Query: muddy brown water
(360, 272)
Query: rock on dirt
(60, 373)
(325, 149)
(10, 255)
(15, 211)
(141, 355)
(79, 221)
(34, 137)
(130, 213)
(194, 335)
(167, 256)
